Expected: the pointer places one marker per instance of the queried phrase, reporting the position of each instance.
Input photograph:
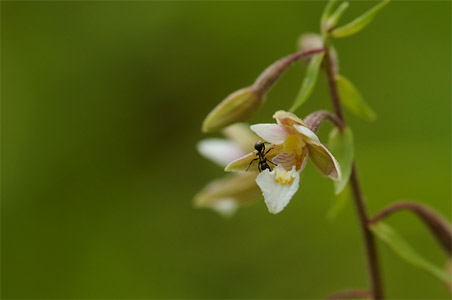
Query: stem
(369, 242)
(315, 119)
(437, 224)
(273, 72)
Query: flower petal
(225, 207)
(324, 161)
(241, 134)
(272, 133)
(249, 162)
(278, 187)
(292, 158)
(308, 135)
(287, 118)
(239, 189)
(220, 151)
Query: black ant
(263, 161)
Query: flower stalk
(273, 72)
(315, 119)
(369, 241)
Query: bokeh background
(102, 104)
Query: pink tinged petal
(272, 133)
(250, 162)
(220, 151)
(303, 158)
(287, 118)
(324, 161)
(278, 187)
(308, 135)
(285, 159)
(288, 160)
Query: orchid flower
(291, 143)
(226, 194)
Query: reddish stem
(369, 242)
(273, 72)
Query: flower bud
(237, 107)
(309, 41)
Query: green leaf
(340, 201)
(341, 145)
(335, 17)
(309, 81)
(327, 11)
(359, 23)
(352, 99)
(405, 251)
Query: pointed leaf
(359, 23)
(309, 81)
(340, 200)
(328, 10)
(352, 99)
(335, 17)
(406, 252)
(341, 145)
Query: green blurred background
(102, 104)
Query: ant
(263, 161)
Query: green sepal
(394, 241)
(341, 146)
(309, 81)
(352, 99)
(359, 23)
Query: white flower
(290, 143)
(226, 194)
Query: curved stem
(369, 242)
(437, 224)
(315, 119)
(273, 72)
(350, 294)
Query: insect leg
(250, 164)
(270, 162)
(269, 150)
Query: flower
(290, 143)
(226, 194)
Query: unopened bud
(237, 107)
(309, 41)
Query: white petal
(225, 207)
(308, 134)
(278, 187)
(272, 133)
(220, 151)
